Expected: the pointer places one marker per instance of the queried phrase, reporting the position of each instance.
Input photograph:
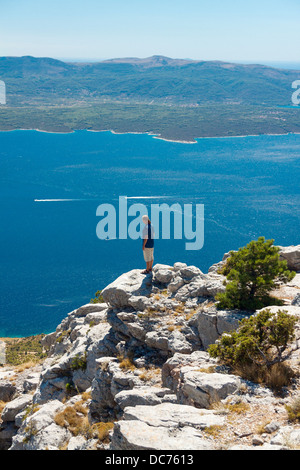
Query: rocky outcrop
(212, 323)
(132, 284)
(296, 300)
(165, 426)
(291, 254)
(136, 366)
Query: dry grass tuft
(276, 376)
(126, 363)
(101, 431)
(293, 410)
(74, 419)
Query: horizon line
(187, 59)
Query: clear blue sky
(233, 30)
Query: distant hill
(155, 80)
(154, 61)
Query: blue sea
(51, 185)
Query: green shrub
(25, 350)
(98, 298)
(253, 271)
(79, 362)
(261, 340)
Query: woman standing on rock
(148, 244)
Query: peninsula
(175, 99)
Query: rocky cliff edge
(133, 373)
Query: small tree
(98, 298)
(253, 271)
(261, 339)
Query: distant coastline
(154, 136)
(170, 123)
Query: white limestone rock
(291, 254)
(204, 389)
(128, 435)
(212, 323)
(133, 283)
(15, 406)
(39, 430)
(173, 415)
(287, 436)
(7, 390)
(141, 396)
(163, 273)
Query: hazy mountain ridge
(155, 79)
